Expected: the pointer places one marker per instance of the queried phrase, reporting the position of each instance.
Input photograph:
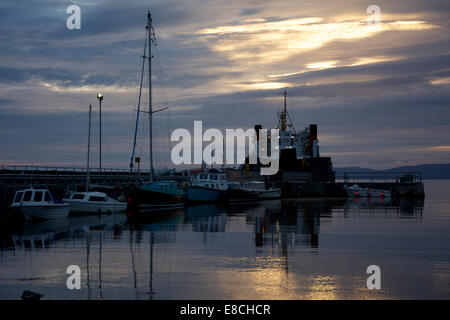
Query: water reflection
(206, 218)
(402, 208)
(277, 249)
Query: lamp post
(100, 98)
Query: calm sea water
(284, 249)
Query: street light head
(99, 96)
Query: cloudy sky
(380, 94)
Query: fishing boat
(360, 192)
(39, 203)
(207, 186)
(160, 194)
(260, 188)
(92, 201)
(153, 193)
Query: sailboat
(153, 193)
(90, 201)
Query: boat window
(97, 198)
(27, 196)
(18, 197)
(213, 177)
(203, 176)
(48, 198)
(78, 196)
(38, 196)
(206, 185)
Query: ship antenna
(286, 115)
(283, 114)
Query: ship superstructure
(304, 142)
(300, 159)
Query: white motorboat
(94, 202)
(39, 203)
(360, 192)
(260, 187)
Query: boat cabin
(213, 179)
(89, 196)
(255, 185)
(32, 196)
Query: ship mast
(138, 106)
(151, 35)
(283, 114)
(151, 40)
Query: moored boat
(260, 188)
(207, 186)
(154, 193)
(39, 203)
(159, 194)
(360, 192)
(237, 192)
(94, 202)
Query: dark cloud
(380, 113)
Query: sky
(379, 93)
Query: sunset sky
(379, 94)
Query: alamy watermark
(375, 15)
(74, 20)
(374, 280)
(213, 153)
(74, 280)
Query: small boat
(237, 192)
(359, 192)
(260, 188)
(94, 202)
(207, 186)
(39, 203)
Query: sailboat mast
(89, 150)
(150, 111)
(139, 107)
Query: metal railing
(379, 176)
(54, 170)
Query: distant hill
(354, 169)
(429, 171)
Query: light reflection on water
(280, 249)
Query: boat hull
(242, 195)
(45, 212)
(269, 194)
(154, 199)
(202, 194)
